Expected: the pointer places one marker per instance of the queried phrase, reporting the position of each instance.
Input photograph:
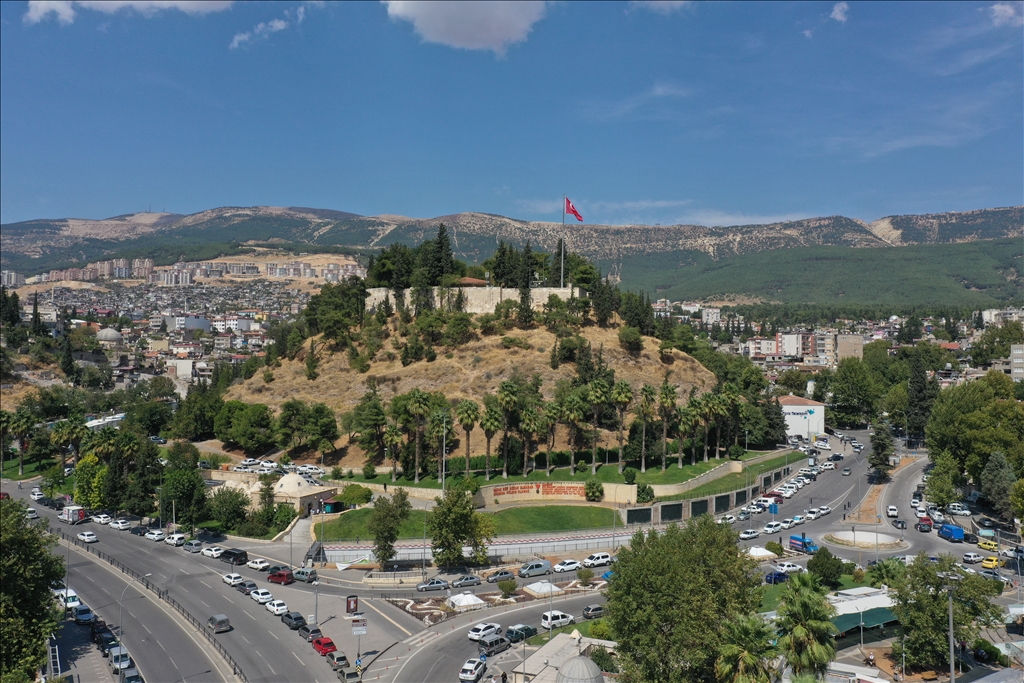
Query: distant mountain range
(36, 245)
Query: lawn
(773, 592)
(518, 520)
(583, 627)
(608, 474)
(735, 480)
(32, 469)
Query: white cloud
(657, 95)
(661, 6)
(64, 10)
(808, 33)
(470, 25)
(261, 30)
(839, 11)
(1007, 14)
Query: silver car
(466, 580)
(434, 584)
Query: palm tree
(393, 442)
(645, 413)
(5, 429)
(805, 626)
(748, 654)
(78, 432)
(552, 416)
(468, 414)
(529, 424)
(490, 423)
(22, 424)
(733, 400)
(60, 437)
(574, 410)
(888, 572)
(508, 399)
(418, 405)
(597, 393)
(718, 409)
(667, 411)
(622, 396)
(104, 443)
(687, 422)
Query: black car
(46, 502)
(310, 632)
(139, 530)
(836, 457)
(899, 523)
(105, 642)
(278, 568)
(246, 587)
(293, 620)
(520, 632)
(970, 538)
(503, 575)
(923, 527)
(99, 627)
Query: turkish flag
(569, 208)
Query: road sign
(359, 662)
(483, 658)
(773, 508)
(359, 627)
(352, 604)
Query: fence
(164, 595)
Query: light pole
(423, 550)
(950, 581)
(316, 602)
(876, 538)
(120, 606)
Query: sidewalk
(80, 660)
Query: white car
(249, 462)
(787, 567)
(121, 524)
(277, 607)
(258, 565)
(824, 509)
(727, 519)
(472, 670)
(213, 551)
(824, 445)
(101, 519)
(798, 519)
(486, 629)
(892, 511)
(36, 494)
(268, 465)
(772, 527)
(813, 513)
(567, 566)
(261, 595)
(828, 465)
(155, 535)
(972, 558)
(30, 513)
(787, 523)
(233, 579)
(556, 619)
(786, 493)
(920, 512)
(748, 534)
(88, 537)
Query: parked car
(102, 518)
(139, 530)
(748, 534)
(293, 620)
(283, 577)
(324, 645)
(261, 595)
(310, 632)
(484, 629)
(121, 525)
(82, 614)
(214, 551)
(246, 587)
(258, 564)
(87, 537)
(568, 566)
(556, 619)
(597, 560)
(176, 539)
(593, 611)
(193, 546)
(743, 516)
(233, 579)
(970, 538)
(776, 577)
(105, 642)
(158, 439)
(501, 575)
(986, 544)
(434, 584)
(337, 660)
(772, 527)
(520, 632)
(788, 567)
(472, 670)
(466, 580)
(156, 535)
(277, 607)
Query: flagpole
(561, 281)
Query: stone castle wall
(479, 299)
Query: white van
(556, 619)
(176, 539)
(597, 560)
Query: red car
(284, 578)
(324, 645)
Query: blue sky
(713, 113)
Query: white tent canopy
(463, 602)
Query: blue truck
(952, 533)
(803, 544)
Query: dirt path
(867, 512)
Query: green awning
(872, 617)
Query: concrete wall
(478, 299)
(512, 491)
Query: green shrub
(354, 494)
(514, 342)
(736, 451)
(337, 472)
(349, 474)
(629, 474)
(990, 652)
(600, 629)
(253, 528)
(604, 659)
(585, 576)
(594, 489)
(644, 493)
(216, 460)
(775, 547)
(631, 340)
(369, 471)
(858, 575)
(581, 466)
(507, 587)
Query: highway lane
(263, 647)
(157, 638)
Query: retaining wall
(478, 299)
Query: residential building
(1017, 362)
(849, 346)
(8, 278)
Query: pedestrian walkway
(80, 660)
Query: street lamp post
(876, 538)
(120, 606)
(316, 602)
(951, 579)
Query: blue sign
(483, 658)
(359, 662)
(773, 508)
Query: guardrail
(164, 595)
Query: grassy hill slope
(972, 274)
